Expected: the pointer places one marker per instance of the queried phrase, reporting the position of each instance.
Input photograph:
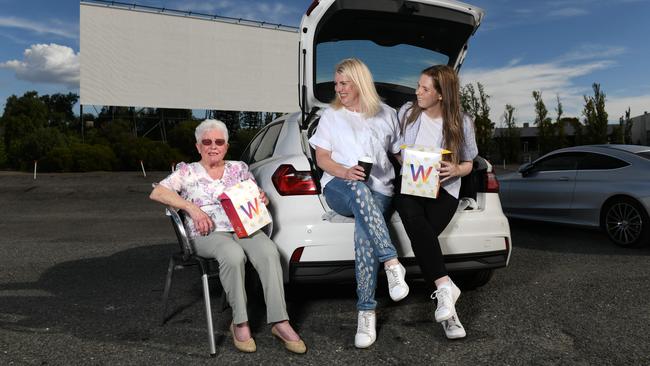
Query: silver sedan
(604, 186)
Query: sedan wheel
(626, 222)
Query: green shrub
(59, 159)
(160, 156)
(3, 154)
(34, 146)
(182, 138)
(88, 158)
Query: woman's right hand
(202, 221)
(355, 173)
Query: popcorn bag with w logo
(246, 212)
(420, 166)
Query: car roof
(629, 148)
(618, 150)
(604, 148)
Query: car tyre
(626, 222)
(470, 280)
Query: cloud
(203, 6)
(43, 63)
(39, 28)
(514, 85)
(567, 12)
(591, 51)
(271, 13)
(268, 12)
(616, 106)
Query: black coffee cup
(366, 163)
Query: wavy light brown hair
(360, 75)
(445, 81)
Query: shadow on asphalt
(114, 299)
(117, 299)
(565, 238)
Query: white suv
(396, 39)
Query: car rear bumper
(343, 271)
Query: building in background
(641, 129)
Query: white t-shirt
(349, 136)
(428, 132)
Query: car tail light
(311, 8)
(492, 185)
(291, 182)
(295, 256)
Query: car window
(644, 154)
(395, 64)
(593, 161)
(247, 155)
(561, 161)
(395, 69)
(267, 145)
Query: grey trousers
(232, 252)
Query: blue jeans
(372, 243)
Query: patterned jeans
(372, 243)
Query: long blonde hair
(360, 75)
(445, 81)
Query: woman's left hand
(448, 170)
(263, 198)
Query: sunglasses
(208, 142)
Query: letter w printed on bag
(416, 175)
(251, 208)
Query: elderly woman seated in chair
(195, 188)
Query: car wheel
(626, 222)
(473, 279)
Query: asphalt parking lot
(83, 258)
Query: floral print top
(193, 183)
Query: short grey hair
(209, 125)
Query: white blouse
(193, 183)
(349, 135)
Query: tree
(230, 118)
(252, 120)
(477, 106)
(509, 139)
(561, 140)
(544, 124)
(270, 116)
(182, 138)
(627, 129)
(23, 115)
(59, 109)
(595, 117)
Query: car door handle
(563, 179)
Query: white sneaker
(453, 328)
(397, 287)
(446, 296)
(366, 333)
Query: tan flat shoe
(293, 346)
(247, 346)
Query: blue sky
(558, 47)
